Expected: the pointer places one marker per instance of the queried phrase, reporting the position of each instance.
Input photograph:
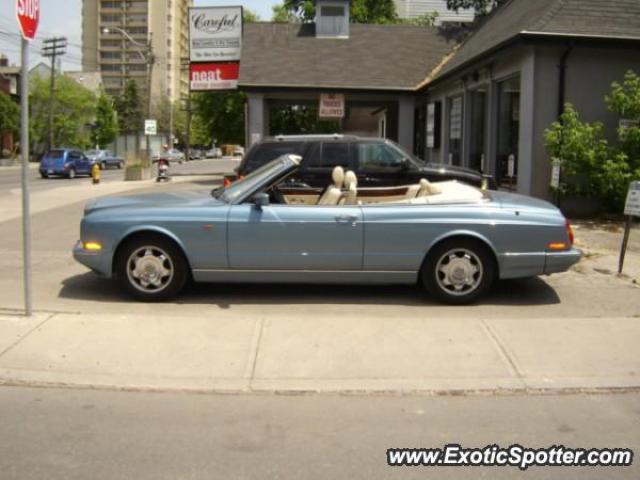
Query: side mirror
(261, 200)
(405, 165)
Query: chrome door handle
(347, 219)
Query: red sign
(214, 76)
(28, 12)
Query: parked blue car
(65, 162)
(450, 238)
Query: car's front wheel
(459, 271)
(152, 268)
(72, 173)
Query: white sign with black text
(150, 127)
(215, 34)
(632, 206)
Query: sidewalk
(11, 206)
(300, 352)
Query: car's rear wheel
(152, 268)
(119, 165)
(44, 175)
(103, 166)
(72, 173)
(459, 271)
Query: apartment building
(115, 32)
(419, 8)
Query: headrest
(338, 176)
(350, 180)
(430, 188)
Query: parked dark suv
(376, 162)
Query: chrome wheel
(150, 269)
(459, 272)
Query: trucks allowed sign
(331, 105)
(215, 34)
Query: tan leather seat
(350, 196)
(333, 194)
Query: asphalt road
(11, 177)
(69, 434)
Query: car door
(380, 165)
(295, 237)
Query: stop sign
(28, 17)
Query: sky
(63, 18)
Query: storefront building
(483, 103)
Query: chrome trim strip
(301, 271)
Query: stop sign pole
(28, 13)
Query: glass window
(333, 155)
(455, 130)
(478, 129)
(266, 152)
(332, 11)
(508, 131)
(379, 157)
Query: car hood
(153, 201)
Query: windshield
(92, 152)
(241, 188)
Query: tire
(44, 175)
(167, 272)
(72, 174)
(119, 165)
(103, 166)
(474, 275)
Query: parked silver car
(105, 159)
(453, 239)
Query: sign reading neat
(214, 76)
(632, 206)
(150, 127)
(28, 12)
(331, 105)
(215, 34)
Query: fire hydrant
(95, 174)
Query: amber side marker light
(558, 246)
(92, 246)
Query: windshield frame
(264, 176)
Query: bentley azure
(452, 239)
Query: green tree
(590, 168)
(300, 120)
(9, 115)
(130, 109)
(481, 7)
(222, 115)
(106, 126)
(249, 16)
(73, 113)
(624, 100)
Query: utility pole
(150, 62)
(53, 48)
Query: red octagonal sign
(28, 17)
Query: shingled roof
(374, 57)
(613, 19)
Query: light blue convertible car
(453, 239)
